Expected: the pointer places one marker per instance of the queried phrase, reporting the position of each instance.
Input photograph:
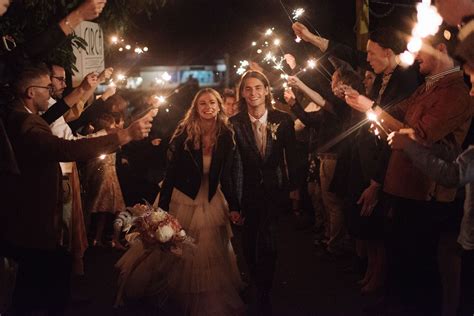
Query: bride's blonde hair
(191, 122)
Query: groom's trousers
(259, 239)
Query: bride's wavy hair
(191, 122)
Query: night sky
(190, 32)
(198, 31)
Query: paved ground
(308, 282)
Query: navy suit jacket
(276, 173)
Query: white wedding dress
(205, 280)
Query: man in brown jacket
(439, 111)
(34, 224)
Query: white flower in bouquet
(158, 216)
(164, 233)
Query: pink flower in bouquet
(157, 227)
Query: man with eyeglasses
(74, 230)
(34, 220)
(58, 81)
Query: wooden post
(362, 23)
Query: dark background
(199, 31)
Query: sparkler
(243, 67)
(121, 77)
(166, 76)
(407, 58)
(161, 99)
(428, 22)
(297, 13)
(371, 116)
(269, 32)
(414, 45)
(312, 63)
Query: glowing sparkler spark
(166, 76)
(407, 58)
(145, 49)
(138, 50)
(121, 49)
(277, 42)
(414, 45)
(259, 51)
(312, 63)
(372, 116)
(102, 157)
(161, 99)
(114, 39)
(120, 77)
(254, 43)
(298, 39)
(243, 67)
(297, 13)
(428, 19)
(128, 47)
(269, 32)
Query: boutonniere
(273, 128)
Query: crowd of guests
(377, 154)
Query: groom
(265, 173)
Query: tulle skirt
(205, 279)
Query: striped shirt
(431, 80)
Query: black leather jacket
(185, 170)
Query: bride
(207, 282)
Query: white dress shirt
(61, 129)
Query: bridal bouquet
(155, 227)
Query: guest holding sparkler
(366, 227)
(392, 84)
(414, 197)
(103, 192)
(329, 125)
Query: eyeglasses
(49, 87)
(62, 79)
